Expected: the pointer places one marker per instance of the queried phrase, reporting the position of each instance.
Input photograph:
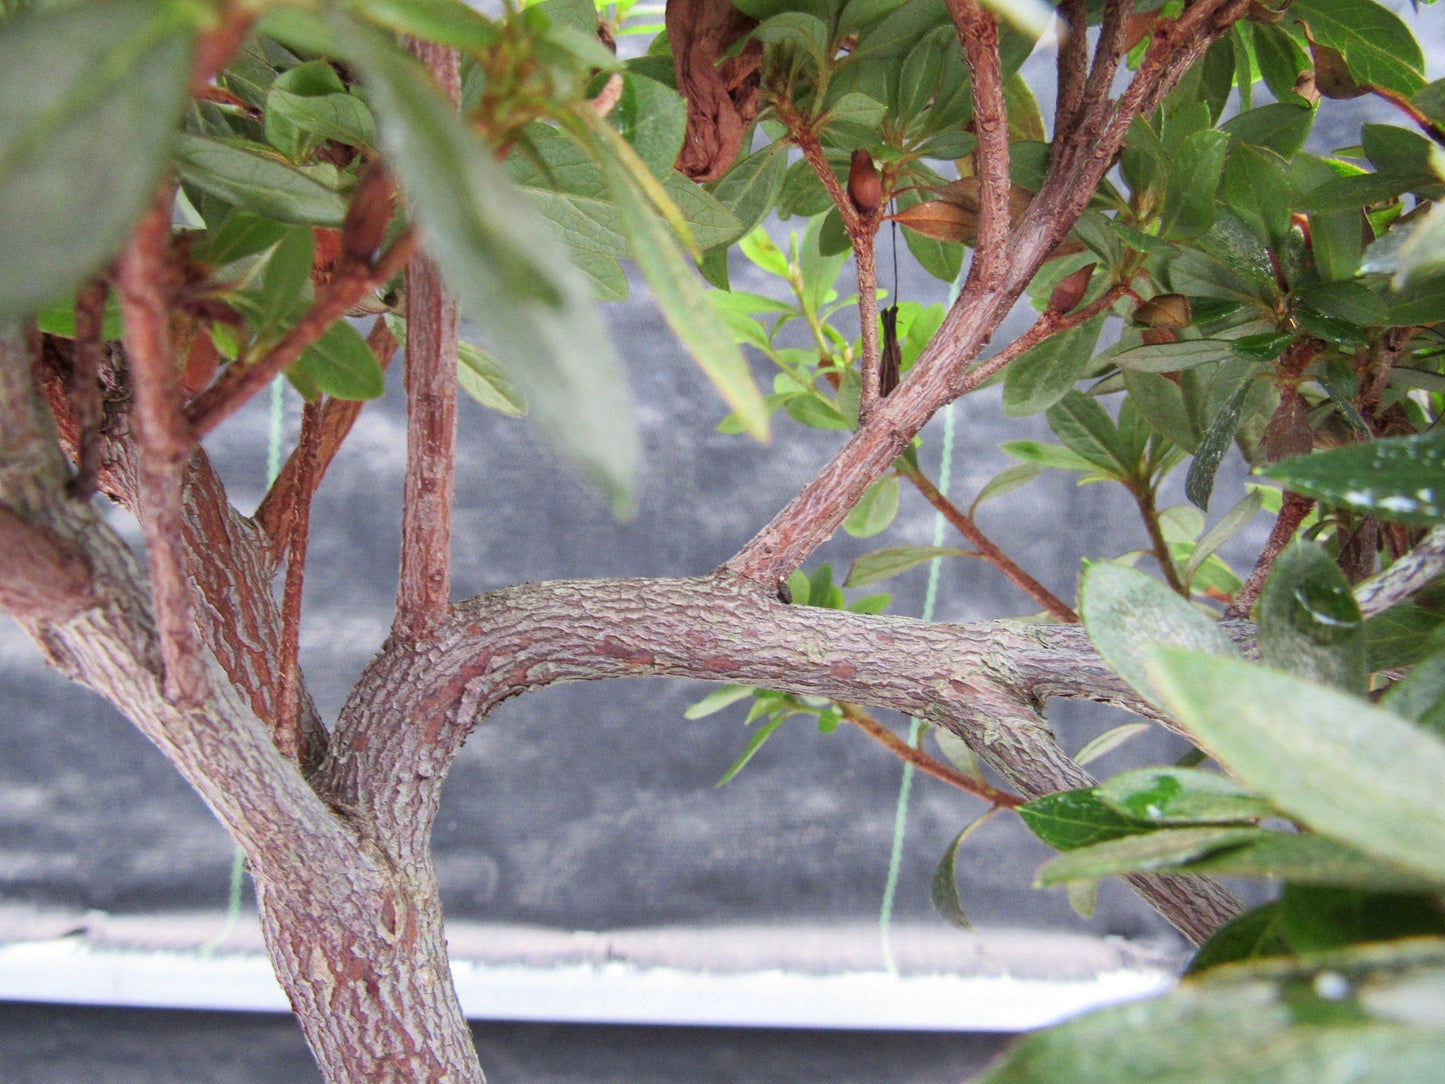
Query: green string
(915, 726)
(238, 859)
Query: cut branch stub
(722, 98)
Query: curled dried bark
(722, 98)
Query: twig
(978, 34)
(274, 513)
(927, 764)
(1073, 67)
(164, 443)
(985, 546)
(1291, 514)
(1148, 511)
(352, 282)
(83, 385)
(216, 47)
(1407, 575)
(288, 694)
(424, 588)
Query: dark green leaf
(1309, 622)
(943, 890)
(1279, 126)
(651, 117)
(1317, 919)
(1199, 484)
(341, 365)
(1084, 427)
(1377, 46)
(1194, 174)
(1398, 478)
(1077, 818)
(1306, 858)
(1354, 772)
(883, 564)
(256, 182)
(92, 97)
(1039, 378)
(507, 268)
(1420, 695)
(1172, 357)
(1252, 935)
(751, 188)
(1398, 636)
(1266, 346)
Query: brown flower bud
(1163, 310)
(865, 187)
(1071, 289)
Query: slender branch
(164, 443)
(801, 133)
(1409, 574)
(424, 589)
(1291, 514)
(1108, 53)
(274, 513)
(978, 34)
(1144, 497)
(987, 549)
(353, 281)
(927, 764)
(1073, 67)
(83, 385)
(287, 723)
(216, 47)
(870, 389)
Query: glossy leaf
(1250, 936)
(1173, 796)
(1199, 483)
(1398, 478)
(1377, 46)
(1309, 622)
(1077, 818)
(92, 98)
(1351, 771)
(507, 268)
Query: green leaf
(256, 182)
(1349, 770)
(814, 412)
(1077, 818)
(875, 509)
(1167, 848)
(342, 117)
(1126, 612)
(678, 294)
(1047, 455)
(943, 890)
(1194, 174)
(1250, 936)
(341, 365)
(1378, 48)
(1420, 695)
(1309, 622)
(751, 187)
(1199, 483)
(1005, 481)
(1111, 739)
(1039, 378)
(1317, 919)
(1358, 1015)
(721, 697)
(92, 98)
(1398, 478)
(1084, 427)
(651, 117)
(1171, 357)
(755, 743)
(447, 22)
(482, 377)
(1399, 636)
(507, 268)
(1176, 796)
(884, 564)
(1229, 525)
(1279, 126)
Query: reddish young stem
(288, 695)
(987, 549)
(1291, 514)
(927, 764)
(424, 589)
(164, 444)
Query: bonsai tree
(199, 196)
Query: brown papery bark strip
(164, 443)
(424, 589)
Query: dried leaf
(722, 98)
(891, 354)
(940, 220)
